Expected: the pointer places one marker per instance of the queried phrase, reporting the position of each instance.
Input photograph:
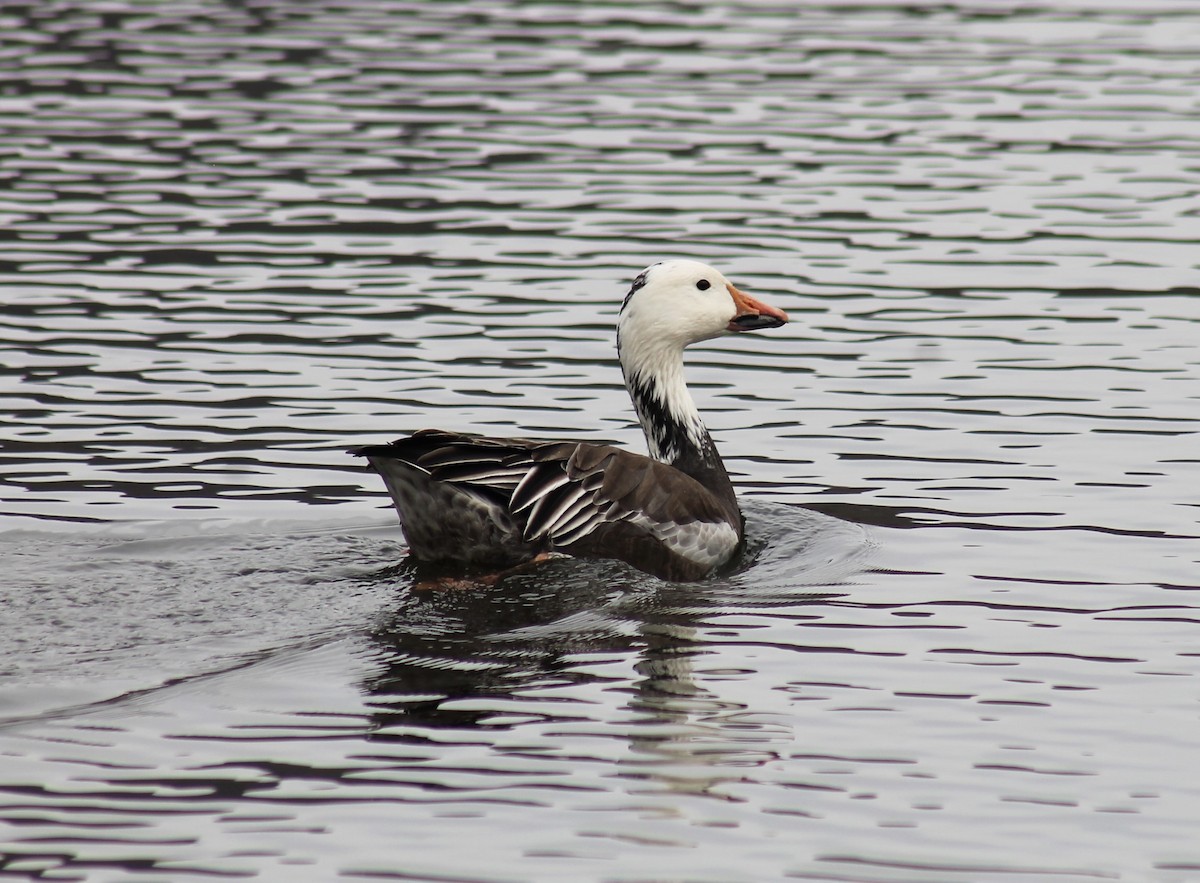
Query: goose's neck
(675, 434)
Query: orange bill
(753, 314)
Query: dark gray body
(494, 503)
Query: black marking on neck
(669, 439)
(689, 448)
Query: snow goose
(498, 502)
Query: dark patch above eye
(704, 285)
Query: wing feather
(540, 481)
(553, 513)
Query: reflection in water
(441, 647)
(474, 664)
(446, 646)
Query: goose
(495, 503)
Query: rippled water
(239, 238)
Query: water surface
(238, 239)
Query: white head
(676, 303)
(671, 305)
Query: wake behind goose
(495, 503)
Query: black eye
(703, 285)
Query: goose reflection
(538, 647)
